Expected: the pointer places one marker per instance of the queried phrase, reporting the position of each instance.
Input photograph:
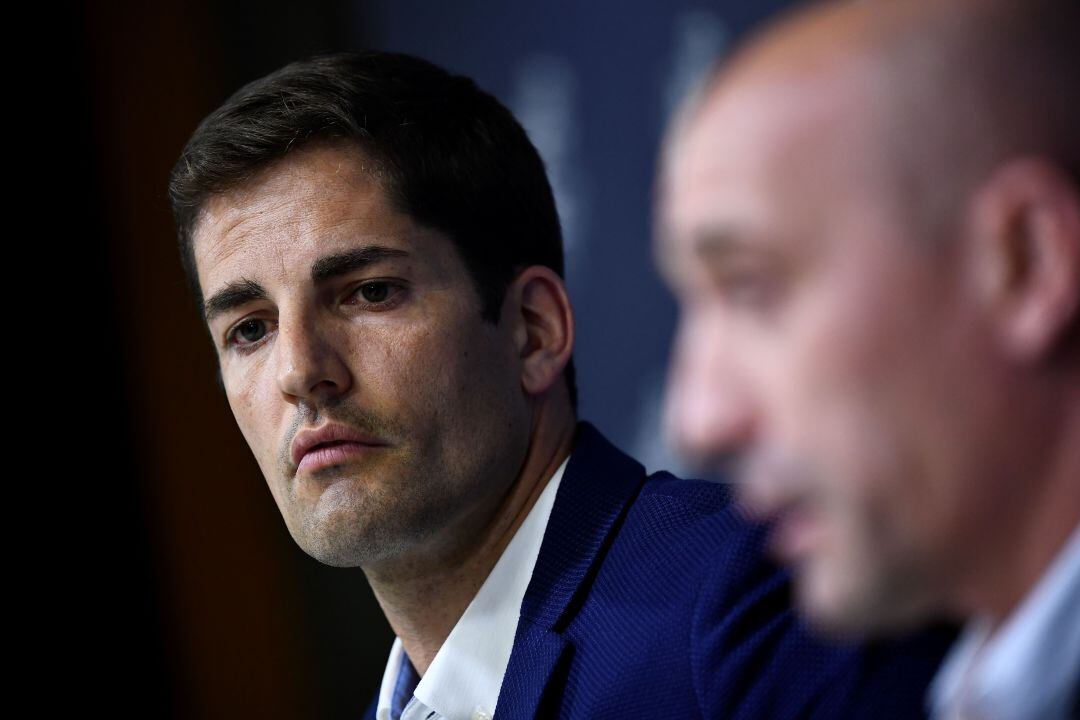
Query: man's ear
(1026, 222)
(543, 326)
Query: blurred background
(192, 599)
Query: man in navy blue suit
(872, 219)
(375, 249)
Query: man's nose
(309, 365)
(709, 416)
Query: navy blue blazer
(651, 598)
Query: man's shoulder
(695, 525)
(682, 548)
(702, 495)
(691, 503)
(665, 522)
(683, 613)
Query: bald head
(871, 219)
(951, 88)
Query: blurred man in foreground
(871, 219)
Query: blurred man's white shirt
(1029, 668)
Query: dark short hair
(446, 153)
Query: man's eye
(748, 289)
(247, 333)
(377, 292)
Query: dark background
(180, 592)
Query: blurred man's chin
(839, 622)
(844, 610)
(826, 609)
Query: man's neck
(423, 600)
(1050, 515)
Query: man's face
(385, 414)
(825, 348)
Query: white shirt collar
(464, 678)
(1028, 669)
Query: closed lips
(328, 436)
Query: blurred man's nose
(309, 366)
(708, 413)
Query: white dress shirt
(1028, 668)
(464, 678)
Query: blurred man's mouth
(796, 532)
(775, 491)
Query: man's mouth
(796, 532)
(331, 444)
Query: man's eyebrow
(711, 248)
(333, 266)
(233, 295)
(240, 292)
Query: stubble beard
(358, 524)
(871, 596)
(372, 510)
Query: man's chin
(347, 549)
(841, 609)
(346, 534)
(840, 624)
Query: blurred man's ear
(543, 326)
(1026, 221)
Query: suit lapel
(536, 656)
(597, 487)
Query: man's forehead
(765, 155)
(310, 196)
(782, 107)
(727, 158)
(761, 126)
(298, 177)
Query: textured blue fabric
(651, 598)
